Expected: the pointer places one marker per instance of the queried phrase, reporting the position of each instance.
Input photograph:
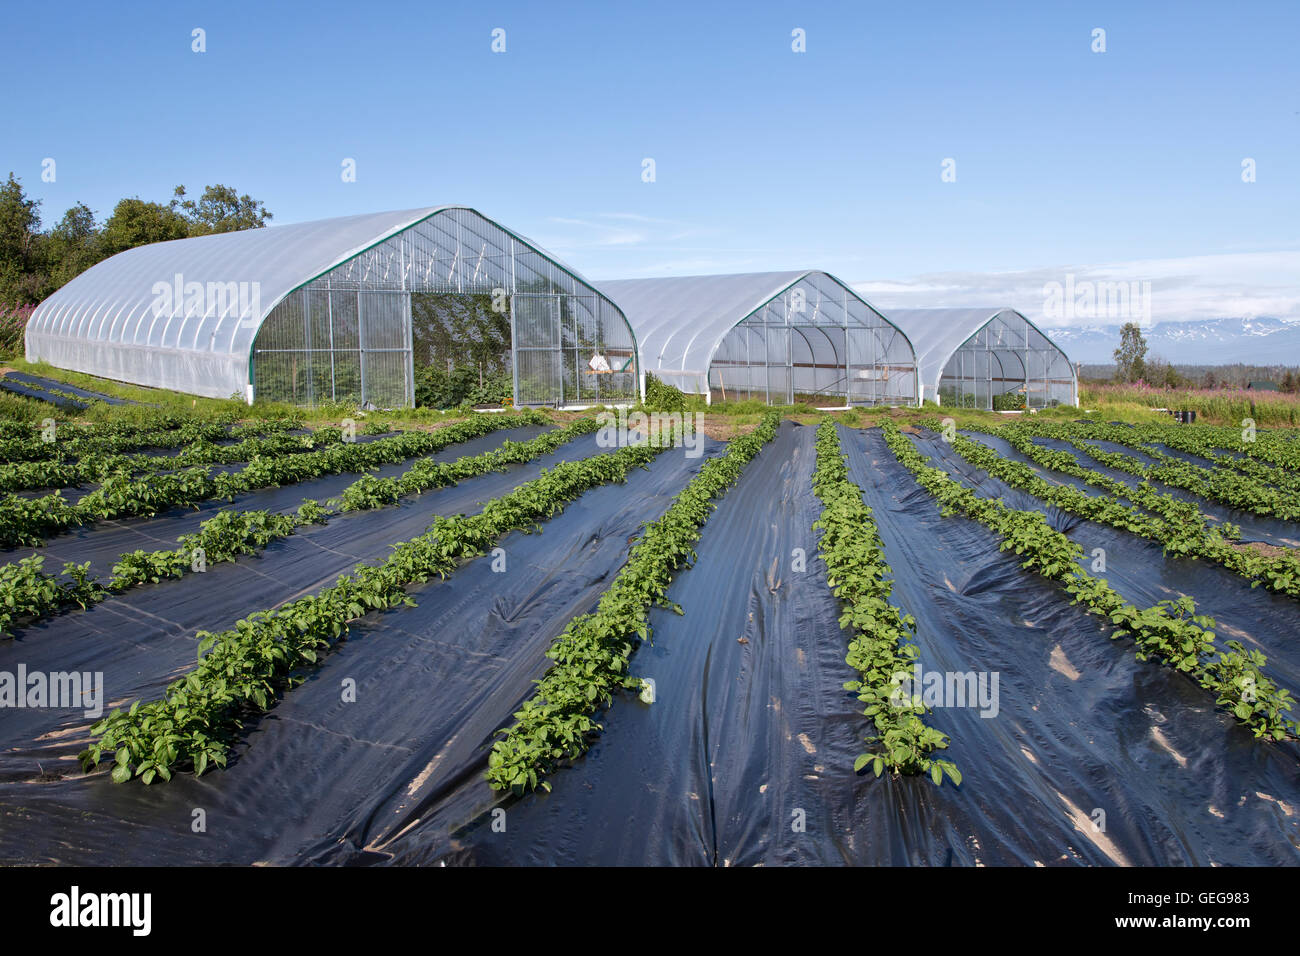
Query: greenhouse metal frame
(322, 311)
(988, 358)
(779, 337)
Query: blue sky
(1126, 162)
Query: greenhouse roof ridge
(680, 320)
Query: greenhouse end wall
(346, 336)
(1008, 364)
(774, 337)
(814, 343)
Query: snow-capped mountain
(1261, 341)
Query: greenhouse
(778, 337)
(344, 310)
(994, 359)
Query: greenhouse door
(535, 334)
(866, 372)
(780, 374)
(385, 341)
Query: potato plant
(1169, 633)
(881, 647)
(241, 671)
(232, 534)
(29, 593)
(591, 657)
(28, 521)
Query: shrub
(661, 396)
(13, 323)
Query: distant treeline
(35, 261)
(1286, 377)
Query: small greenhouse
(994, 359)
(778, 337)
(343, 310)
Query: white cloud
(1245, 285)
(596, 234)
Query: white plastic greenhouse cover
(938, 333)
(679, 321)
(114, 320)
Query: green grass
(1098, 402)
(177, 403)
(1218, 406)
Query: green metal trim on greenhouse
(778, 337)
(334, 310)
(989, 358)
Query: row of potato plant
(1223, 485)
(232, 534)
(374, 492)
(1269, 456)
(1170, 633)
(30, 442)
(1224, 448)
(1178, 526)
(241, 671)
(66, 472)
(881, 649)
(556, 724)
(1236, 460)
(29, 521)
(28, 593)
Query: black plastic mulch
(746, 755)
(319, 779)
(102, 542)
(58, 401)
(49, 383)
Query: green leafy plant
(1178, 526)
(232, 534)
(881, 648)
(241, 671)
(1169, 633)
(591, 657)
(28, 521)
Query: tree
(1156, 371)
(72, 246)
(137, 223)
(33, 264)
(20, 223)
(1129, 357)
(1210, 380)
(219, 209)
(1289, 383)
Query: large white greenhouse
(779, 337)
(341, 310)
(989, 358)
